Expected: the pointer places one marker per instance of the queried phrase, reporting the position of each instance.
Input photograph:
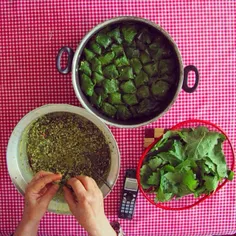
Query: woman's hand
(86, 204)
(38, 195)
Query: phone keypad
(127, 206)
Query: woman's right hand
(86, 204)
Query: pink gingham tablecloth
(32, 32)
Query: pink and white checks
(32, 32)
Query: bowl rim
(13, 151)
(96, 29)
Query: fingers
(78, 187)
(69, 197)
(50, 193)
(41, 174)
(88, 183)
(42, 182)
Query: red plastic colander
(188, 201)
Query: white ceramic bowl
(17, 160)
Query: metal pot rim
(97, 28)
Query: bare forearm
(27, 228)
(103, 229)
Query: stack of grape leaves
(188, 161)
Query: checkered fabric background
(32, 32)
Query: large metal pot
(17, 159)
(74, 61)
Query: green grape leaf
(115, 98)
(85, 68)
(143, 92)
(103, 39)
(129, 32)
(126, 73)
(110, 86)
(123, 113)
(107, 58)
(110, 72)
(89, 55)
(108, 109)
(128, 87)
(130, 99)
(87, 85)
(121, 61)
(136, 65)
(141, 79)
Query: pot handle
(186, 88)
(70, 54)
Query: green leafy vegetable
(115, 34)
(87, 85)
(151, 69)
(145, 172)
(107, 58)
(115, 98)
(130, 99)
(136, 65)
(146, 106)
(230, 175)
(129, 32)
(96, 66)
(123, 112)
(211, 183)
(95, 47)
(132, 52)
(156, 50)
(103, 39)
(128, 65)
(133, 110)
(128, 87)
(160, 88)
(126, 73)
(143, 92)
(145, 58)
(108, 109)
(154, 179)
(141, 45)
(97, 78)
(168, 78)
(111, 72)
(145, 36)
(141, 78)
(101, 91)
(117, 49)
(154, 163)
(110, 86)
(121, 61)
(85, 67)
(190, 161)
(96, 100)
(189, 179)
(89, 55)
(167, 66)
(163, 196)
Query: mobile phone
(129, 195)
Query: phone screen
(131, 184)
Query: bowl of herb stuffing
(63, 139)
(190, 162)
(127, 71)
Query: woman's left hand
(38, 195)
